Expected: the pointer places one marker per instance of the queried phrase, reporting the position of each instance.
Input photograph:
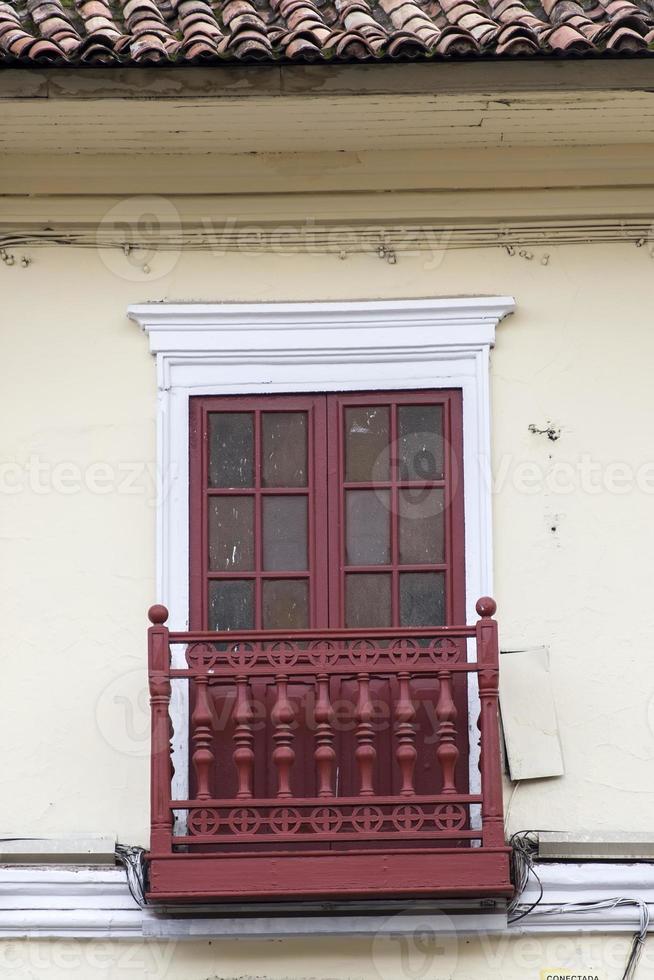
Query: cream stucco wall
(573, 550)
(377, 958)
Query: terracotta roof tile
(150, 32)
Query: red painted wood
(447, 750)
(357, 818)
(406, 752)
(490, 764)
(452, 405)
(200, 493)
(283, 756)
(365, 752)
(201, 723)
(325, 755)
(161, 823)
(446, 873)
(342, 754)
(243, 754)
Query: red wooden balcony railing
(328, 764)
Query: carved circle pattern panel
(407, 817)
(367, 819)
(242, 655)
(444, 651)
(323, 653)
(450, 816)
(201, 655)
(364, 819)
(285, 820)
(283, 654)
(244, 820)
(326, 820)
(405, 652)
(363, 653)
(204, 821)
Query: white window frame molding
(255, 348)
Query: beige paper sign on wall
(531, 730)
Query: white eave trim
(95, 903)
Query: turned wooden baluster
(324, 755)
(282, 717)
(447, 751)
(161, 825)
(243, 754)
(365, 753)
(405, 731)
(489, 762)
(201, 736)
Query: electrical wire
(610, 904)
(524, 847)
(507, 817)
(132, 859)
(517, 238)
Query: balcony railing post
(489, 764)
(243, 754)
(405, 732)
(201, 737)
(325, 755)
(365, 752)
(282, 717)
(161, 824)
(447, 752)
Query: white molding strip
(241, 348)
(95, 903)
(570, 884)
(75, 902)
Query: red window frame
(326, 490)
(200, 492)
(454, 564)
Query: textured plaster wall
(573, 545)
(379, 958)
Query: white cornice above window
(319, 333)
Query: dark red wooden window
(327, 510)
(258, 513)
(338, 510)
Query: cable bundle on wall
(524, 845)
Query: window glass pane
(367, 600)
(284, 449)
(366, 444)
(422, 599)
(231, 605)
(285, 533)
(420, 442)
(231, 534)
(367, 527)
(285, 604)
(231, 449)
(421, 526)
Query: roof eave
(276, 81)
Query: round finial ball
(486, 606)
(157, 615)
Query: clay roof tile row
(133, 32)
